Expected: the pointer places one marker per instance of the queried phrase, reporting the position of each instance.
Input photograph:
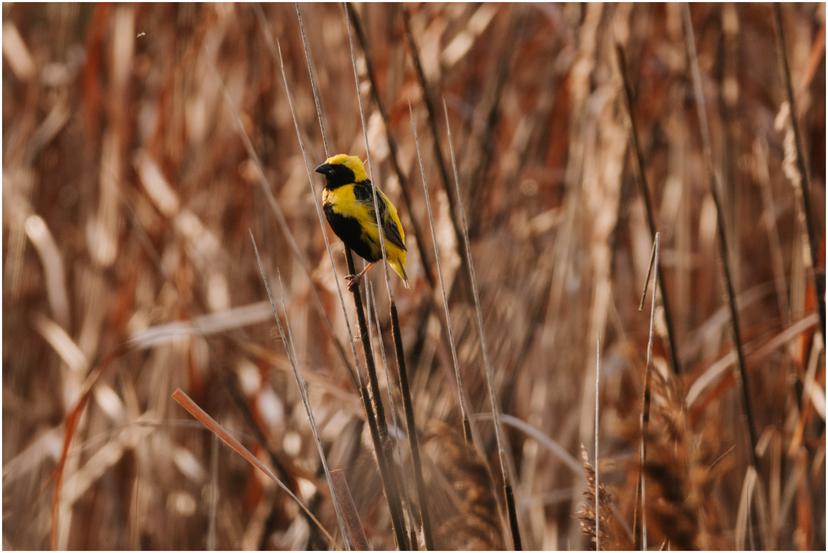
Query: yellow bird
(348, 201)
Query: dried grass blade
(230, 441)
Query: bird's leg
(354, 280)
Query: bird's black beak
(324, 169)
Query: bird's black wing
(363, 193)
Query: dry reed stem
(488, 369)
(644, 191)
(230, 441)
(804, 188)
(645, 408)
(458, 376)
(287, 340)
(724, 251)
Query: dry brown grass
(142, 144)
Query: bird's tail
(399, 268)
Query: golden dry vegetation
(143, 145)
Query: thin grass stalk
(461, 386)
(722, 235)
(317, 101)
(432, 122)
(597, 434)
(392, 143)
(489, 371)
(287, 340)
(316, 202)
(644, 191)
(646, 399)
(265, 184)
(395, 323)
(372, 403)
(230, 441)
(804, 189)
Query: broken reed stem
(488, 370)
(230, 441)
(286, 335)
(597, 434)
(395, 323)
(645, 408)
(804, 188)
(458, 376)
(722, 234)
(432, 122)
(371, 401)
(392, 143)
(644, 191)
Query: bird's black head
(342, 169)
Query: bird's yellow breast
(343, 201)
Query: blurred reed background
(128, 271)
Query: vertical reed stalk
(461, 386)
(646, 399)
(644, 191)
(722, 234)
(488, 370)
(804, 188)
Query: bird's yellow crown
(351, 162)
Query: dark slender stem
(805, 182)
(722, 237)
(379, 430)
(644, 190)
(410, 423)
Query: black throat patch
(339, 175)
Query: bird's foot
(354, 280)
